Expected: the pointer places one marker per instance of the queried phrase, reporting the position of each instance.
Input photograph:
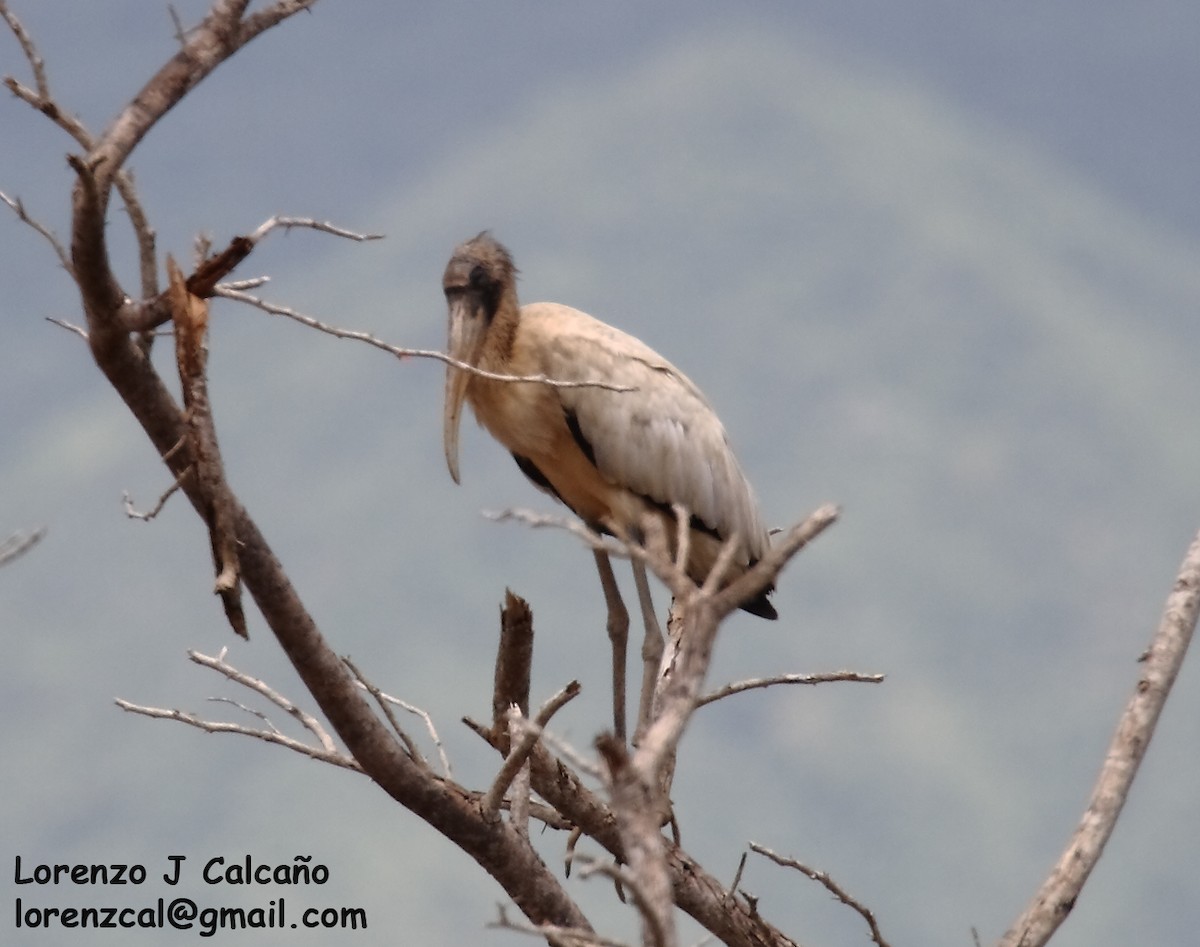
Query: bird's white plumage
(661, 440)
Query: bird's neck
(502, 334)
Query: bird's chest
(526, 418)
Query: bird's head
(479, 280)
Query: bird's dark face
(478, 277)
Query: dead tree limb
(830, 885)
(755, 683)
(499, 849)
(1159, 666)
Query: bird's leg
(618, 635)
(652, 648)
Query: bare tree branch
(122, 357)
(384, 700)
(739, 687)
(638, 782)
(391, 718)
(216, 726)
(154, 309)
(638, 807)
(514, 661)
(309, 223)
(830, 885)
(147, 515)
(570, 524)
(18, 208)
(18, 544)
(553, 933)
(355, 335)
(1160, 665)
(307, 720)
(519, 754)
(41, 98)
(28, 49)
(69, 326)
(327, 751)
(627, 881)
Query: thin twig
(28, 48)
(18, 208)
(41, 98)
(177, 23)
(327, 751)
(737, 875)
(69, 326)
(247, 710)
(404, 705)
(593, 540)
(554, 934)
(252, 282)
(531, 732)
(309, 223)
(625, 881)
(355, 335)
(18, 544)
(307, 720)
(384, 705)
(563, 749)
(148, 515)
(830, 885)
(739, 687)
(216, 726)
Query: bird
(639, 441)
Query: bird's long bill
(466, 333)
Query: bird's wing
(661, 439)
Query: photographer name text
(216, 871)
(180, 913)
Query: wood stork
(613, 457)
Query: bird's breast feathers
(659, 440)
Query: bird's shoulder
(574, 346)
(661, 438)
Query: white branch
(18, 544)
(288, 223)
(69, 326)
(570, 524)
(739, 687)
(310, 723)
(147, 515)
(1159, 667)
(327, 751)
(214, 726)
(227, 291)
(830, 885)
(524, 737)
(554, 934)
(18, 208)
(385, 701)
